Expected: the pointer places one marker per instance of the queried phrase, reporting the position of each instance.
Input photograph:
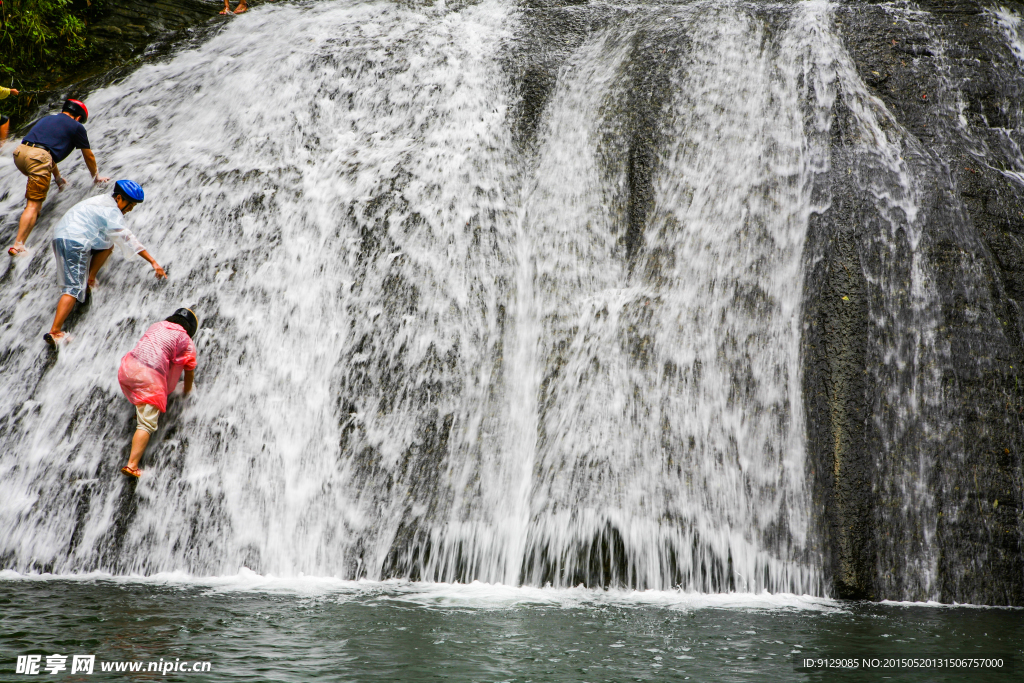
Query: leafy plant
(41, 34)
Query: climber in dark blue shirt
(58, 134)
(49, 142)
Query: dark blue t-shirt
(60, 134)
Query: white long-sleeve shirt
(97, 223)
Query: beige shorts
(147, 416)
(37, 164)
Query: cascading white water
(672, 406)
(323, 182)
(1011, 24)
(427, 351)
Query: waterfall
(434, 346)
(330, 198)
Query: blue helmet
(129, 190)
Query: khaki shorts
(37, 164)
(146, 416)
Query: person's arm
(57, 178)
(156, 266)
(90, 163)
(189, 376)
(117, 230)
(4, 92)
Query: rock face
(913, 323)
(121, 30)
(953, 87)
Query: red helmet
(77, 109)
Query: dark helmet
(187, 319)
(129, 190)
(77, 109)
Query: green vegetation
(35, 33)
(40, 41)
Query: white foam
(475, 595)
(1013, 27)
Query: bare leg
(139, 443)
(98, 259)
(226, 10)
(27, 221)
(65, 305)
(242, 7)
(3, 131)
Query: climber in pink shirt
(150, 371)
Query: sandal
(131, 471)
(16, 250)
(54, 339)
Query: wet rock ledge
(123, 30)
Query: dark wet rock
(122, 30)
(552, 30)
(947, 76)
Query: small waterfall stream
(430, 349)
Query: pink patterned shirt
(151, 370)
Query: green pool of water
(256, 629)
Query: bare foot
(242, 7)
(223, 11)
(131, 471)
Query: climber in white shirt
(82, 241)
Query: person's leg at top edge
(242, 7)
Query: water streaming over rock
(451, 333)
